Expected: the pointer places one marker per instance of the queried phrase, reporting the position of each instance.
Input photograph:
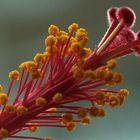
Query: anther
(3, 99)
(40, 101)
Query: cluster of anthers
(66, 72)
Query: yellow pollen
(80, 36)
(80, 62)
(108, 75)
(50, 40)
(51, 49)
(108, 95)
(82, 30)
(39, 58)
(9, 108)
(82, 113)
(70, 126)
(100, 95)
(84, 41)
(22, 66)
(85, 121)
(67, 117)
(101, 113)
(32, 129)
(63, 39)
(1, 88)
(100, 73)
(114, 101)
(46, 56)
(90, 74)
(3, 99)
(124, 92)
(111, 64)
(72, 40)
(48, 138)
(57, 97)
(36, 74)
(117, 78)
(78, 73)
(121, 99)
(94, 111)
(53, 109)
(76, 47)
(84, 53)
(14, 75)
(73, 27)
(40, 101)
(53, 30)
(62, 33)
(3, 133)
(21, 110)
(30, 65)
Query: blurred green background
(23, 28)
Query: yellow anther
(21, 110)
(3, 133)
(63, 39)
(80, 62)
(80, 36)
(10, 108)
(114, 101)
(70, 126)
(111, 64)
(111, 83)
(67, 117)
(48, 138)
(121, 98)
(117, 78)
(100, 95)
(53, 49)
(108, 95)
(72, 40)
(57, 97)
(36, 74)
(82, 30)
(3, 99)
(32, 129)
(100, 73)
(73, 27)
(85, 121)
(62, 33)
(82, 113)
(124, 92)
(100, 102)
(78, 73)
(46, 56)
(90, 74)
(22, 66)
(94, 111)
(85, 52)
(1, 88)
(84, 41)
(50, 40)
(76, 47)
(108, 75)
(39, 58)
(30, 65)
(14, 75)
(40, 101)
(101, 113)
(52, 110)
(88, 51)
(53, 29)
